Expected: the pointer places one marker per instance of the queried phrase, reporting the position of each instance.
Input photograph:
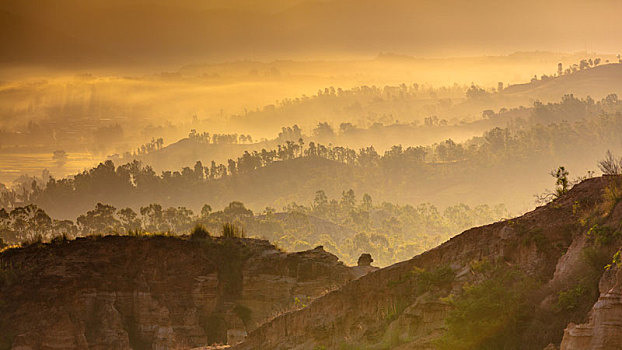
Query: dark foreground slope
(515, 284)
(120, 292)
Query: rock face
(604, 329)
(389, 309)
(153, 292)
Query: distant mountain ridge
(596, 82)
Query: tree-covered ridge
(410, 103)
(346, 226)
(296, 169)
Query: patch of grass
(568, 300)
(135, 232)
(230, 230)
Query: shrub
(612, 193)
(611, 165)
(490, 314)
(602, 235)
(60, 239)
(199, 232)
(482, 267)
(135, 232)
(569, 299)
(438, 278)
(229, 230)
(34, 241)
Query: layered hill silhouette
(597, 81)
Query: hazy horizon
(141, 32)
(219, 82)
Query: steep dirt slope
(547, 262)
(120, 292)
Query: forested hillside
(572, 132)
(347, 226)
(392, 204)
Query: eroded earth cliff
(119, 292)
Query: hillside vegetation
(514, 160)
(346, 227)
(514, 284)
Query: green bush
(602, 235)
(490, 314)
(438, 278)
(569, 299)
(199, 232)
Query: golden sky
(136, 32)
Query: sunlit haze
(310, 175)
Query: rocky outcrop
(604, 329)
(389, 308)
(155, 292)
